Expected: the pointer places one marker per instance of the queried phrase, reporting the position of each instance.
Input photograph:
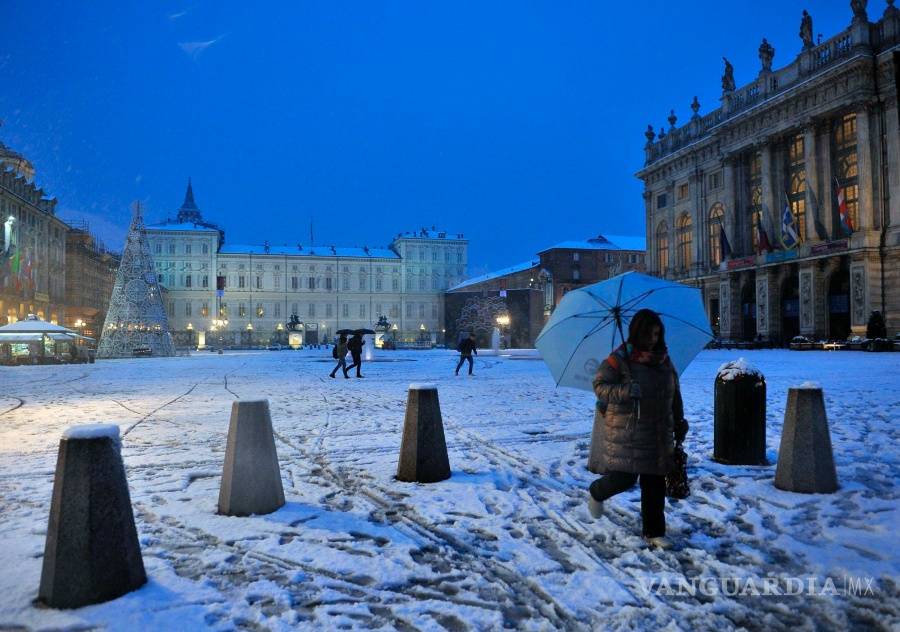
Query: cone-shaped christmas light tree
(136, 319)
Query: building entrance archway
(748, 310)
(790, 308)
(839, 305)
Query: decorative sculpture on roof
(806, 30)
(766, 54)
(695, 108)
(859, 9)
(136, 323)
(728, 77)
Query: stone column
(827, 201)
(729, 307)
(892, 138)
(820, 299)
(699, 223)
(807, 301)
(732, 208)
(865, 166)
(859, 299)
(670, 221)
(769, 194)
(763, 322)
(814, 204)
(650, 228)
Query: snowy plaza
(505, 542)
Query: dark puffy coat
(467, 346)
(630, 443)
(355, 345)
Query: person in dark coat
(466, 348)
(639, 395)
(355, 345)
(340, 352)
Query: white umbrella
(590, 322)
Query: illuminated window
(716, 217)
(684, 240)
(662, 247)
(846, 167)
(797, 184)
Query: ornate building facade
(32, 245)
(90, 277)
(240, 295)
(783, 204)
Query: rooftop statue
(806, 30)
(728, 77)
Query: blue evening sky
(519, 124)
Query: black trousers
(653, 497)
(463, 359)
(357, 362)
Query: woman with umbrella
(638, 387)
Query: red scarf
(653, 358)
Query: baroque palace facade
(238, 295)
(32, 245)
(783, 205)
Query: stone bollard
(251, 477)
(595, 458)
(739, 429)
(805, 459)
(423, 452)
(92, 552)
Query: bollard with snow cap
(423, 451)
(805, 458)
(739, 432)
(92, 552)
(251, 477)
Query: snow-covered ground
(505, 542)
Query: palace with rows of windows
(326, 287)
(776, 157)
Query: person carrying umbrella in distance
(355, 345)
(466, 348)
(635, 378)
(340, 352)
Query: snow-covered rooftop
(310, 251)
(519, 267)
(603, 242)
(182, 227)
(428, 233)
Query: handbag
(677, 482)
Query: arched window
(662, 247)
(716, 217)
(683, 239)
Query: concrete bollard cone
(805, 458)
(251, 477)
(92, 552)
(423, 452)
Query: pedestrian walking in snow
(355, 345)
(639, 395)
(339, 352)
(466, 348)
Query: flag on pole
(762, 238)
(843, 211)
(724, 246)
(790, 236)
